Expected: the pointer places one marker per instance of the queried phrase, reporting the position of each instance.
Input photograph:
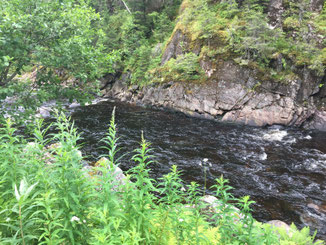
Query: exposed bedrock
(232, 96)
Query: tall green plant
(69, 182)
(143, 197)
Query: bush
(185, 67)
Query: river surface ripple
(282, 169)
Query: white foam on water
(313, 164)
(308, 137)
(275, 135)
(98, 100)
(263, 156)
(291, 141)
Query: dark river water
(282, 169)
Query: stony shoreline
(224, 101)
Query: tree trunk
(4, 75)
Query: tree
(54, 35)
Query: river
(282, 169)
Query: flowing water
(282, 169)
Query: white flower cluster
(205, 163)
(75, 218)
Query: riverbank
(69, 203)
(225, 101)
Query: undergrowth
(48, 197)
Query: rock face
(317, 5)
(275, 10)
(174, 48)
(231, 96)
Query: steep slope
(253, 62)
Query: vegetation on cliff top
(243, 32)
(246, 32)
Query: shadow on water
(283, 170)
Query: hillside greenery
(240, 31)
(48, 197)
(77, 42)
(227, 30)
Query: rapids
(282, 169)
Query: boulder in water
(74, 105)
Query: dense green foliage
(54, 35)
(138, 36)
(238, 30)
(47, 197)
(59, 49)
(184, 68)
(50, 50)
(64, 46)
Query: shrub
(185, 67)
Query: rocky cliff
(231, 90)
